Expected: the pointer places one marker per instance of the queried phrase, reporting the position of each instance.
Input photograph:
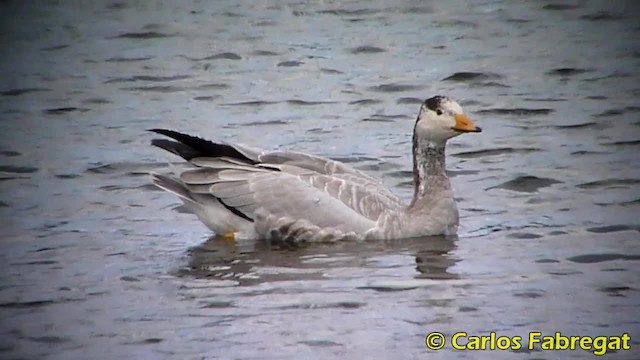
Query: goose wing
(282, 190)
(333, 169)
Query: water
(95, 263)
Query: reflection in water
(258, 262)
(434, 258)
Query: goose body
(241, 192)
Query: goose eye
(439, 112)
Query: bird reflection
(434, 258)
(257, 261)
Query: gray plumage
(296, 197)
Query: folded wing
(283, 191)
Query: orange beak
(464, 124)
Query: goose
(283, 196)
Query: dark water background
(95, 263)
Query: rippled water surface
(96, 263)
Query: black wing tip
(176, 135)
(165, 132)
(160, 142)
(200, 146)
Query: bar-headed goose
(240, 192)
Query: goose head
(440, 119)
